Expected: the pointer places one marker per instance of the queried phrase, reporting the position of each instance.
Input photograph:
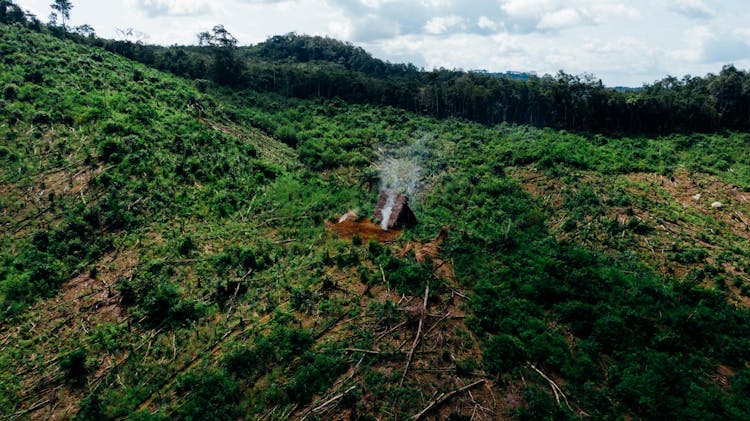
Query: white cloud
(442, 24)
(340, 29)
(560, 19)
(695, 9)
(705, 45)
(625, 42)
(487, 24)
(528, 16)
(612, 10)
(724, 47)
(529, 8)
(743, 33)
(155, 8)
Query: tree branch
(444, 397)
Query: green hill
(170, 250)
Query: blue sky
(624, 43)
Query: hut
(393, 211)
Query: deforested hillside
(172, 249)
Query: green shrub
(503, 353)
(10, 92)
(186, 246)
(163, 304)
(41, 118)
(241, 361)
(286, 134)
(209, 394)
(73, 366)
(316, 373)
(302, 299)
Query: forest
(168, 246)
(310, 67)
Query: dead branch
(31, 409)
(174, 346)
(444, 397)
(555, 388)
(234, 297)
(393, 329)
(365, 351)
(494, 401)
(322, 407)
(354, 371)
(454, 292)
(448, 314)
(418, 335)
(270, 220)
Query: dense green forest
(313, 67)
(167, 248)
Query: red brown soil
(364, 229)
(430, 252)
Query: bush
(163, 304)
(503, 353)
(112, 150)
(210, 394)
(316, 374)
(158, 300)
(302, 299)
(186, 246)
(41, 117)
(73, 366)
(11, 91)
(287, 135)
(241, 362)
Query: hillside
(170, 249)
(313, 67)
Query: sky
(624, 43)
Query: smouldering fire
(387, 210)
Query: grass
(160, 242)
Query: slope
(163, 257)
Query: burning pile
(399, 172)
(393, 211)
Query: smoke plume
(400, 172)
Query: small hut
(393, 211)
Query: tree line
(318, 67)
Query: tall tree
(10, 12)
(227, 67)
(63, 7)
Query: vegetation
(165, 250)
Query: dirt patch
(429, 252)
(364, 229)
(37, 205)
(703, 193)
(66, 182)
(721, 376)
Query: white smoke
(400, 171)
(387, 210)
(400, 175)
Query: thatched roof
(401, 214)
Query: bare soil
(364, 229)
